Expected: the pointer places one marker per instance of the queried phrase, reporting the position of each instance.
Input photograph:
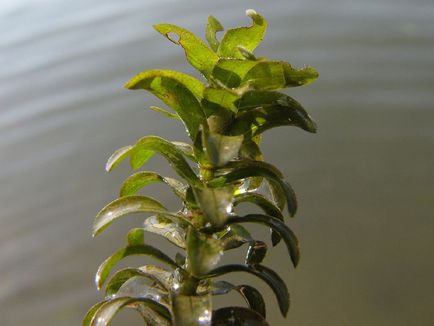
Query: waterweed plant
(222, 168)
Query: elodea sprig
(224, 116)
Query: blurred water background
(365, 182)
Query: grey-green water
(365, 182)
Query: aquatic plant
(222, 168)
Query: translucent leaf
(127, 205)
(234, 236)
(251, 295)
(267, 206)
(212, 28)
(146, 250)
(198, 54)
(203, 252)
(267, 275)
(247, 37)
(215, 204)
(165, 113)
(157, 275)
(192, 310)
(237, 316)
(148, 145)
(247, 169)
(144, 178)
(286, 233)
(166, 228)
(222, 149)
(152, 318)
(139, 287)
(179, 91)
(250, 150)
(117, 157)
(185, 149)
(91, 312)
(108, 310)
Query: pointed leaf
(247, 169)
(251, 295)
(212, 28)
(144, 178)
(247, 37)
(237, 316)
(127, 205)
(268, 207)
(181, 92)
(147, 146)
(234, 236)
(91, 312)
(270, 75)
(256, 252)
(108, 310)
(286, 233)
(155, 274)
(166, 228)
(165, 113)
(117, 157)
(267, 275)
(198, 54)
(262, 110)
(146, 250)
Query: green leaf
(165, 113)
(144, 178)
(215, 204)
(91, 312)
(237, 316)
(250, 150)
(267, 275)
(268, 207)
(161, 277)
(147, 146)
(117, 157)
(251, 295)
(222, 149)
(247, 169)
(247, 37)
(186, 149)
(212, 28)
(221, 97)
(286, 233)
(108, 310)
(198, 54)
(179, 91)
(130, 250)
(262, 110)
(231, 72)
(203, 252)
(166, 228)
(234, 236)
(270, 75)
(191, 310)
(127, 205)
